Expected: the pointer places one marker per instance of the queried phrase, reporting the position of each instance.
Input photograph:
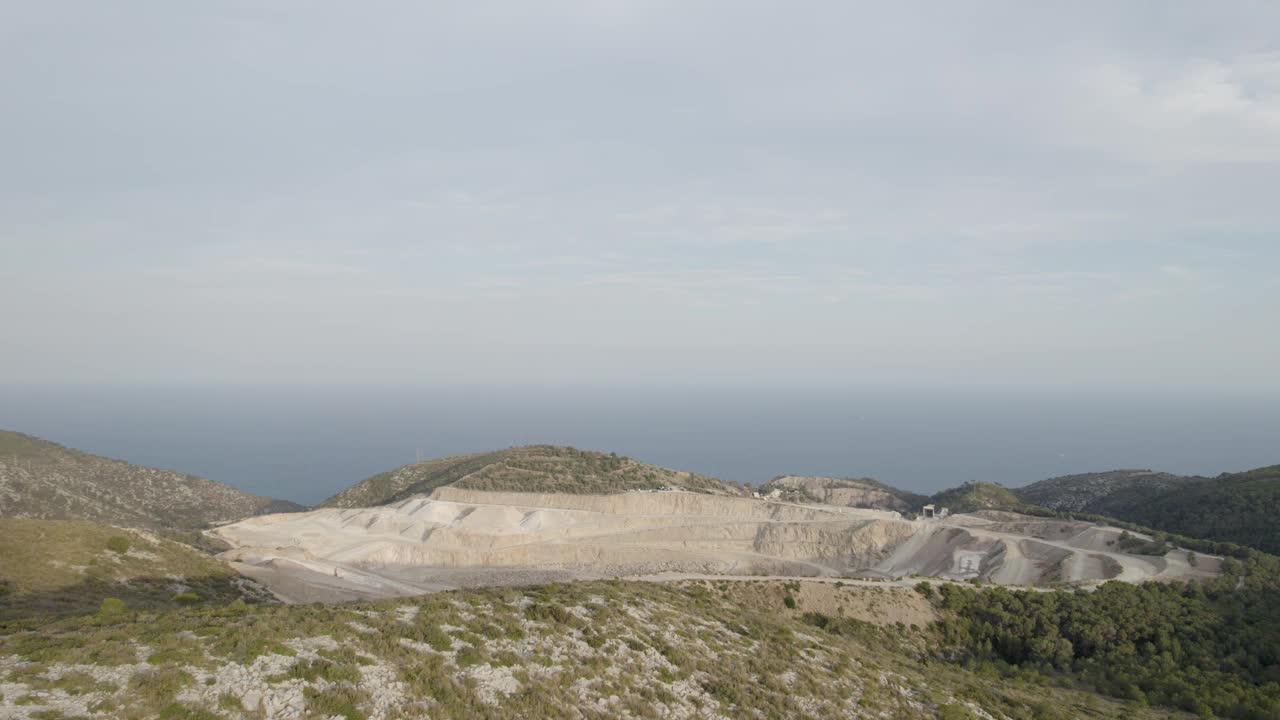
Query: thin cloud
(723, 223)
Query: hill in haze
(1241, 508)
(41, 479)
(533, 468)
(847, 492)
(1103, 493)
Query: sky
(613, 192)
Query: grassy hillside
(61, 567)
(976, 495)
(584, 650)
(41, 479)
(535, 468)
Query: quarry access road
(680, 576)
(831, 580)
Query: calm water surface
(306, 443)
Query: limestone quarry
(456, 537)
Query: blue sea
(304, 443)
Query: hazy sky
(651, 192)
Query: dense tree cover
(1102, 492)
(1240, 508)
(1210, 648)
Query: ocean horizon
(305, 443)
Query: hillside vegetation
(1102, 493)
(1209, 648)
(847, 492)
(583, 650)
(61, 567)
(535, 468)
(1242, 508)
(1239, 508)
(977, 495)
(41, 479)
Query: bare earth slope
(467, 537)
(849, 492)
(541, 468)
(41, 479)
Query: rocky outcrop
(845, 492)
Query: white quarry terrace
(457, 537)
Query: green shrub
(319, 669)
(954, 712)
(551, 613)
(789, 601)
(156, 688)
(118, 544)
(433, 635)
(343, 702)
(187, 598)
(468, 656)
(112, 606)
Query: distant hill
(977, 495)
(68, 567)
(1113, 493)
(534, 468)
(41, 479)
(1242, 508)
(848, 492)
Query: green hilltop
(979, 495)
(533, 468)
